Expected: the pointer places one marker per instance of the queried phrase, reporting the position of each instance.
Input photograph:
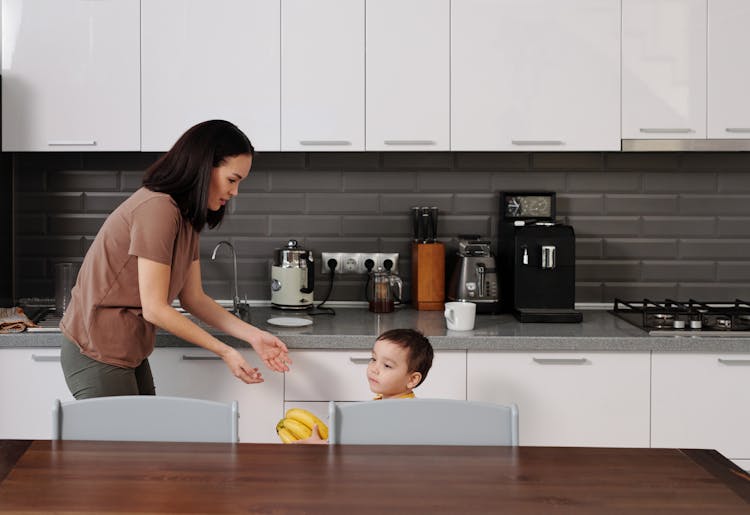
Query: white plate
(289, 321)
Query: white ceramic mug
(459, 316)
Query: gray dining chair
(146, 418)
(423, 422)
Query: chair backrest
(423, 422)
(145, 418)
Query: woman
(147, 254)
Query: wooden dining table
(46, 476)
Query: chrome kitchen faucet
(240, 309)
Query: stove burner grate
(692, 315)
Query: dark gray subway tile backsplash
(6, 230)
(647, 224)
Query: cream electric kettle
(292, 277)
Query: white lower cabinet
(336, 375)
(30, 381)
(320, 376)
(568, 398)
(193, 372)
(700, 400)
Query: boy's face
(388, 372)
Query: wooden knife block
(428, 276)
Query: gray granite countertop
(356, 328)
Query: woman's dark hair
(185, 171)
(419, 347)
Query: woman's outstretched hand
(271, 350)
(240, 368)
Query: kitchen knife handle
(416, 214)
(424, 235)
(433, 224)
(189, 357)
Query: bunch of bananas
(297, 425)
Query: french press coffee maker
(384, 290)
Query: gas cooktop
(684, 318)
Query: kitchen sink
(48, 320)
(244, 315)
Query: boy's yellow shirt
(410, 395)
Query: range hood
(685, 145)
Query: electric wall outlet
(354, 262)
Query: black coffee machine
(536, 257)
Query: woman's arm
(272, 350)
(153, 284)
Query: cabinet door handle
(522, 142)
(360, 361)
(660, 130)
(40, 358)
(322, 142)
(412, 142)
(738, 129)
(71, 143)
(188, 357)
(560, 361)
(740, 362)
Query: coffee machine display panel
(538, 205)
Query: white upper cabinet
(535, 75)
(70, 75)
(323, 75)
(408, 75)
(664, 69)
(728, 69)
(209, 59)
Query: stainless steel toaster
(474, 277)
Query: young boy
(400, 361)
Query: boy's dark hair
(419, 347)
(185, 171)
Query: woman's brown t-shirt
(104, 316)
